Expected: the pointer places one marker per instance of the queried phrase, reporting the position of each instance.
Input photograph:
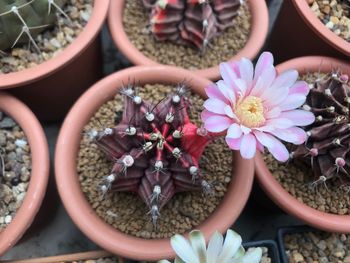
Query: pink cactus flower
(257, 108)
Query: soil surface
(15, 173)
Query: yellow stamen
(250, 112)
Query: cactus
(193, 22)
(328, 145)
(22, 20)
(155, 150)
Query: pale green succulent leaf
(214, 247)
(231, 245)
(183, 249)
(164, 261)
(198, 245)
(253, 255)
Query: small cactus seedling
(155, 150)
(193, 22)
(22, 20)
(328, 145)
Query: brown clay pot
(91, 255)
(69, 186)
(313, 217)
(52, 87)
(298, 32)
(259, 29)
(40, 170)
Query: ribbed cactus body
(193, 22)
(155, 150)
(327, 148)
(15, 15)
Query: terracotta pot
(298, 32)
(91, 255)
(259, 29)
(52, 87)
(313, 217)
(39, 175)
(69, 186)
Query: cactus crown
(155, 149)
(22, 20)
(328, 145)
(193, 22)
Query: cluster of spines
(327, 148)
(155, 150)
(193, 22)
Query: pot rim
(40, 170)
(256, 39)
(318, 27)
(79, 45)
(287, 202)
(70, 190)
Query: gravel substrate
(126, 211)
(223, 47)
(100, 260)
(320, 247)
(265, 255)
(297, 178)
(335, 14)
(51, 42)
(14, 178)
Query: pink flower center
(250, 112)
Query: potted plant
(195, 48)
(312, 186)
(80, 257)
(157, 151)
(42, 61)
(140, 243)
(303, 243)
(322, 26)
(24, 172)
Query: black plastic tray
(270, 244)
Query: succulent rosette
(257, 108)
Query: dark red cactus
(155, 149)
(193, 22)
(328, 144)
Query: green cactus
(22, 20)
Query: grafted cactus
(328, 145)
(193, 22)
(155, 150)
(22, 20)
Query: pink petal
(275, 147)
(248, 146)
(246, 70)
(293, 135)
(206, 114)
(300, 87)
(217, 123)
(280, 123)
(229, 112)
(274, 97)
(245, 129)
(273, 113)
(213, 92)
(234, 131)
(285, 79)
(292, 102)
(264, 81)
(227, 73)
(264, 62)
(215, 106)
(227, 91)
(240, 86)
(234, 144)
(299, 117)
(259, 146)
